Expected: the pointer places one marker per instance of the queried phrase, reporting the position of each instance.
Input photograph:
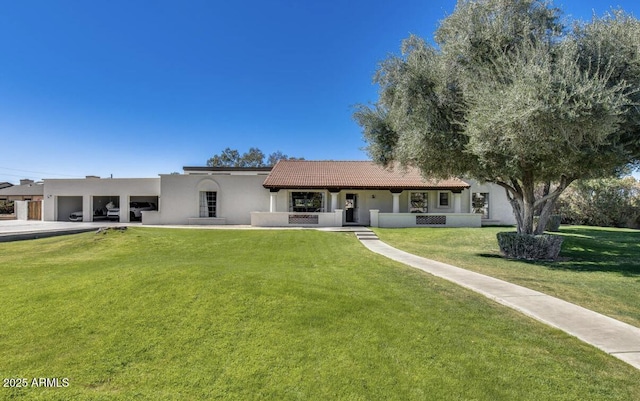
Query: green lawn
(157, 314)
(599, 268)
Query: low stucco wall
(286, 219)
(399, 220)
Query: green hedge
(529, 247)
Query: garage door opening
(138, 204)
(68, 206)
(102, 204)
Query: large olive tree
(510, 95)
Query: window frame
(486, 213)
(308, 205)
(440, 204)
(205, 205)
(416, 209)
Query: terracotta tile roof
(305, 174)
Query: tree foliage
(613, 202)
(6, 207)
(512, 96)
(253, 158)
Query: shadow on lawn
(596, 249)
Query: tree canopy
(253, 158)
(511, 95)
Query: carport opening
(102, 204)
(69, 208)
(138, 204)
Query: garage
(68, 205)
(101, 204)
(138, 204)
(93, 196)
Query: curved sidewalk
(612, 336)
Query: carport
(67, 205)
(141, 201)
(100, 203)
(93, 194)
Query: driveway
(14, 230)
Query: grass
(599, 268)
(283, 315)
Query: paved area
(15, 230)
(612, 336)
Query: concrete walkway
(612, 336)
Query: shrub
(529, 247)
(613, 202)
(6, 207)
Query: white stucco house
(292, 193)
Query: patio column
(334, 198)
(273, 201)
(396, 201)
(457, 202)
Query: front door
(351, 208)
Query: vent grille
(431, 220)
(303, 219)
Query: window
(207, 204)
(480, 203)
(312, 202)
(418, 202)
(443, 199)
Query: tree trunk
(521, 195)
(528, 203)
(545, 214)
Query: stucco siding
(236, 197)
(88, 188)
(500, 210)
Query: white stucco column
(87, 208)
(334, 201)
(396, 202)
(374, 215)
(272, 202)
(457, 202)
(124, 209)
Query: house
(363, 193)
(27, 198)
(28, 190)
(292, 193)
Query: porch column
(396, 201)
(334, 199)
(273, 200)
(457, 202)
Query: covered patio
(339, 193)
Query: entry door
(351, 208)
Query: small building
(28, 190)
(292, 193)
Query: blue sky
(139, 88)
